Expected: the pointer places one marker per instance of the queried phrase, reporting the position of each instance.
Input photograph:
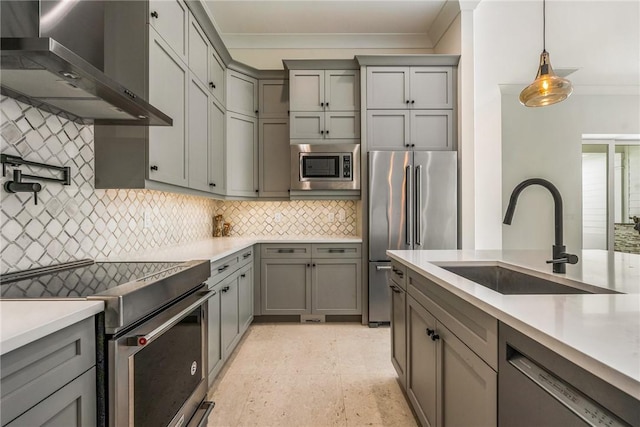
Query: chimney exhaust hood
(52, 57)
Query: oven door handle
(142, 340)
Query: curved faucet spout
(557, 199)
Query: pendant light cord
(544, 26)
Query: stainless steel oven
(325, 167)
(158, 372)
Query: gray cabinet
(217, 80)
(325, 106)
(304, 279)
(169, 84)
(198, 51)
(425, 130)
(230, 310)
(170, 19)
(198, 135)
(399, 331)
(242, 93)
(273, 99)
(241, 155)
(216, 163)
(410, 88)
(285, 286)
(450, 350)
(275, 165)
(51, 379)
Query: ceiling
(332, 23)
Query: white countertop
(22, 322)
(219, 247)
(600, 333)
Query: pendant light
(547, 88)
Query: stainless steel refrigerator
(413, 204)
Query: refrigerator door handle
(407, 208)
(418, 203)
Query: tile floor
(290, 374)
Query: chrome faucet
(559, 254)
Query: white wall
(547, 143)
(601, 38)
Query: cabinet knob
(413, 102)
(308, 265)
(326, 104)
(257, 190)
(413, 145)
(243, 275)
(406, 145)
(256, 111)
(322, 104)
(326, 132)
(212, 85)
(321, 132)
(435, 337)
(430, 332)
(407, 101)
(313, 265)
(154, 14)
(154, 168)
(212, 184)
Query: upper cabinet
(273, 99)
(170, 18)
(217, 79)
(409, 88)
(242, 94)
(325, 106)
(325, 90)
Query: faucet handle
(565, 258)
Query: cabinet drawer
(245, 256)
(336, 250)
(73, 405)
(31, 373)
(295, 250)
(399, 274)
(477, 329)
(223, 267)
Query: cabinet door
(463, 373)
(342, 125)
(230, 327)
(168, 86)
(273, 99)
(242, 94)
(198, 51)
(307, 90)
(388, 130)
(73, 405)
(285, 286)
(216, 148)
(432, 130)
(214, 323)
(399, 333)
(422, 355)
(198, 135)
(387, 87)
(431, 87)
(275, 166)
(342, 90)
(336, 286)
(242, 155)
(305, 125)
(216, 76)
(245, 297)
(170, 19)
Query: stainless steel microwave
(325, 167)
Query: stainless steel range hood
(52, 57)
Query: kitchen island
(597, 332)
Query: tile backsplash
(78, 221)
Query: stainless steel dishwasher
(537, 387)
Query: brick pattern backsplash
(78, 221)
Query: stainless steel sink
(510, 282)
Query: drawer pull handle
(430, 332)
(336, 251)
(383, 267)
(154, 14)
(225, 289)
(285, 251)
(395, 289)
(243, 275)
(247, 255)
(223, 268)
(435, 337)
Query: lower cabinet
(447, 383)
(293, 281)
(230, 309)
(399, 332)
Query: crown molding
(328, 41)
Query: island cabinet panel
(399, 332)
(230, 327)
(45, 368)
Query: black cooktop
(77, 279)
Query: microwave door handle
(407, 208)
(418, 203)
